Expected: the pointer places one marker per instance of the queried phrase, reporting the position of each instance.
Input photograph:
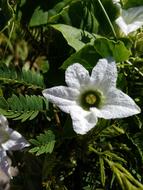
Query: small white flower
(116, 1)
(9, 140)
(130, 20)
(87, 98)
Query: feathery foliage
(22, 107)
(27, 78)
(44, 143)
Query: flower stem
(93, 150)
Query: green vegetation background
(38, 41)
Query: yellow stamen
(90, 99)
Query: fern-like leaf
(44, 143)
(22, 107)
(28, 78)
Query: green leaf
(34, 142)
(87, 56)
(15, 103)
(3, 103)
(39, 17)
(120, 52)
(29, 78)
(112, 131)
(26, 116)
(22, 107)
(110, 48)
(44, 143)
(74, 36)
(102, 170)
(125, 178)
(34, 114)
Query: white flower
(9, 140)
(130, 20)
(87, 98)
(116, 1)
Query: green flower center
(4, 136)
(91, 98)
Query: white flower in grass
(9, 140)
(88, 97)
(130, 20)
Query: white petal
(117, 105)
(116, 1)
(134, 26)
(83, 121)
(16, 141)
(123, 26)
(4, 165)
(133, 14)
(3, 122)
(131, 19)
(76, 75)
(64, 97)
(104, 74)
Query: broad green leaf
(110, 48)
(39, 17)
(87, 56)
(120, 52)
(74, 36)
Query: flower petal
(3, 122)
(115, 1)
(122, 25)
(76, 75)
(117, 105)
(104, 74)
(131, 19)
(64, 97)
(4, 165)
(83, 121)
(16, 141)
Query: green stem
(93, 150)
(108, 19)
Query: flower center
(4, 136)
(91, 98)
